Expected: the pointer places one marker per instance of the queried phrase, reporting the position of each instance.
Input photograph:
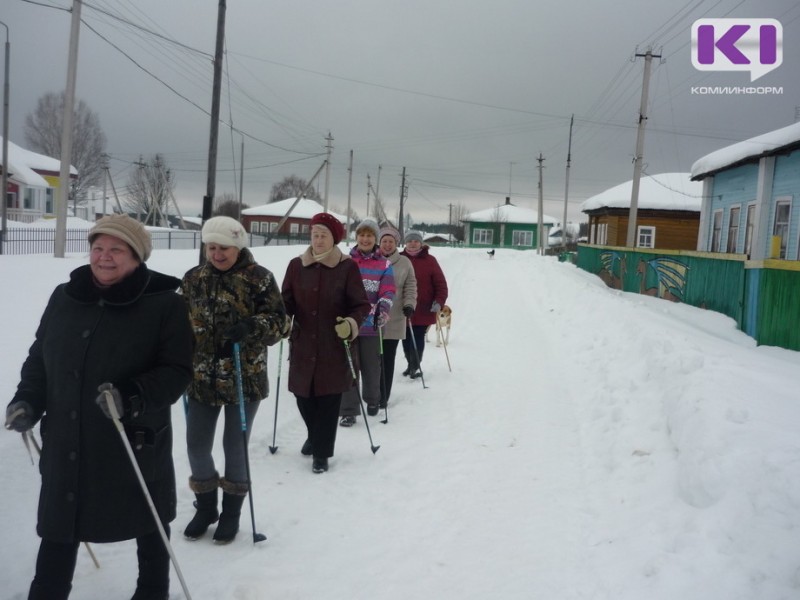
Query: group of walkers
(115, 343)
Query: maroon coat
(431, 286)
(315, 293)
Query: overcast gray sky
(464, 94)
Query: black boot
(233, 495)
(43, 591)
(153, 580)
(205, 493)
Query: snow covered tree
(291, 187)
(43, 128)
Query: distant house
(33, 180)
(505, 225)
(749, 190)
(264, 219)
(667, 217)
(438, 239)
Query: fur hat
(389, 230)
(413, 235)
(127, 229)
(332, 223)
(225, 231)
(371, 224)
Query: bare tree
(291, 187)
(150, 190)
(43, 134)
(227, 205)
(457, 216)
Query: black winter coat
(135, 334)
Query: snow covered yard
(588, 444)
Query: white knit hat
(370, 224)
(224, 231)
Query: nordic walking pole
(372, 446)
(440, 333)
(273, 449)
(28, 435)
(112, 409)
(237, 360)
(384, 399)
(416, 353)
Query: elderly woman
(116, 328)
(231, 299)
(323, 291)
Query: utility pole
(329, 147)
(540, 223)
(566, 186)
(241, 180)
(510, 171)
(637, 161)
(403, 192)
(4, 188)
(369, 187)
(377, 188)
(211, 181)
(349, 191)
(60, 243)
(105, 181)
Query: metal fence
(39, 240)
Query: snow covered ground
(588, 444)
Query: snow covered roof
(666, 191)
(305, 209)
(747, 151)
(508, 213)
(22, 162)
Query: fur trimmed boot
(205, 493)
(233, 495)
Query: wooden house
(264, 219)
(667, 217)
(506, 225)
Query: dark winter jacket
(217, 300)
(315, 293)
(135, 335)
(431, 286)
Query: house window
(748, 228)
(304, 229)
(522, 238)
(48, 201)
(255, 227)
(781, 227)
(733, 229)
(273, 226)
(482, 236)
(294, 228)
(716, 231)
(646, 236)
(28, 198)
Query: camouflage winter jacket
(216, 301)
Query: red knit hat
(332, 223)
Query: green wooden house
(506, 226)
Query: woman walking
(323, 291)
(231, 299)
(119, 329)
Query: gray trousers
(369, 356)
(201, 425)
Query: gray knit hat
(413, 235)
(371, 224)
(126, 229)
(225, 231)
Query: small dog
(442, 327)
(490, 253)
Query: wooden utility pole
(540, 222)
(402, 201)
(329, 148)
(60, 243)
(637, 161)
(211, 180)
(566, 186)
(241, 180)
(349, 191)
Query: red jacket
(315, 293)
(431, 286)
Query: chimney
(508, 200)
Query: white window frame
(733, 228)
(716, 231)
(781, 229)
(520, 233)
(749, 228)
(483, 236)
(294, 228)
(648, 231)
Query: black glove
(238, 331)
(436, 307)
(102, 402)
(19, 416)
(408, 310)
